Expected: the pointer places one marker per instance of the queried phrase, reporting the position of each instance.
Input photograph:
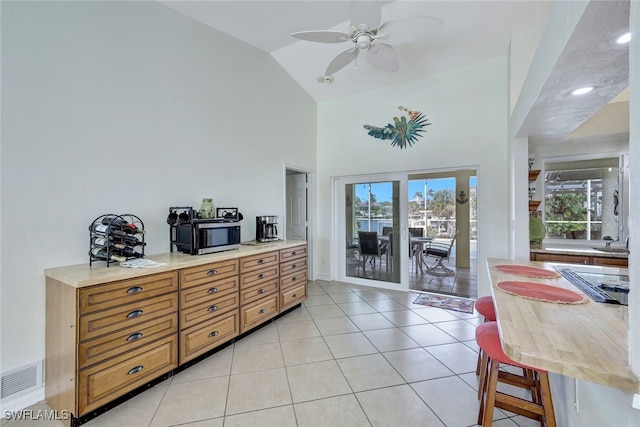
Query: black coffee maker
(266, 228)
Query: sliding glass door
(370, 212)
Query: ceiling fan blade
(365, 12)
(341, 60)
(383, 56)
(322, 36)
(405, 30)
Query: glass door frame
(338, 228)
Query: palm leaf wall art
(402, 132)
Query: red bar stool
(484, 306)
(540, 407)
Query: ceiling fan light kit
(380, 55)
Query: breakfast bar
(579, 338)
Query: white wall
(128, 107)
(634, 209)
(468, 111)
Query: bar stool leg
(485, 418)
(546, 401)
(482, 380)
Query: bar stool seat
(484, 306)
(540, 407)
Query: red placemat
(527, 271)
(540, 292)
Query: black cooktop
(605, 288)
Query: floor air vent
(21, 380)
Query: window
(583, 199)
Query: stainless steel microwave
(205, 236)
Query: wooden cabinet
(293, 277)
(103, 341)
(109, 333)
(580, 259)
(259, 276)
(209, 301)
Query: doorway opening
(298, 202)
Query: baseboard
(21, 402)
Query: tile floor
(350, 356)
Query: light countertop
(82, 275)
(574, 249)
(587, 341)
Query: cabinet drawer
(258, 312)
(259, 261)
(208, 335)
(208, 309)
(194, 276)
(259, 276)
(126, 316)
(197, 294)
(293, 279)
(261, 290)
(293, 296)
(102, 348)
(106, 381)
(100, 297)
(293, 266)
(293, 253)
(611, 261)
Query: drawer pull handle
(213, 308)
(134, 313)
(135, 336)
(293, 266)
(263, 311)
(293, 253)
(134, 290)
(261, 291)
(260, 261)
(294, 295)
(135, 370)
(212, 272)
(213, 334)
(294, 278)
(260, 276)
(212, 291)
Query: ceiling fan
(368, 36)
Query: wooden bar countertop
(587, 341)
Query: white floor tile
(349, 345)
(335, 325)
(317, 380)
(282, 416)
(307, 350)
(390, 339)
(258, 390)
(369, 372)
(397, 406)
(334, 411)
(417, 364)
(192, 401)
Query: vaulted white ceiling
(472, 31)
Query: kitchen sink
(612, 250)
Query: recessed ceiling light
(625, 38)
(582, 90)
